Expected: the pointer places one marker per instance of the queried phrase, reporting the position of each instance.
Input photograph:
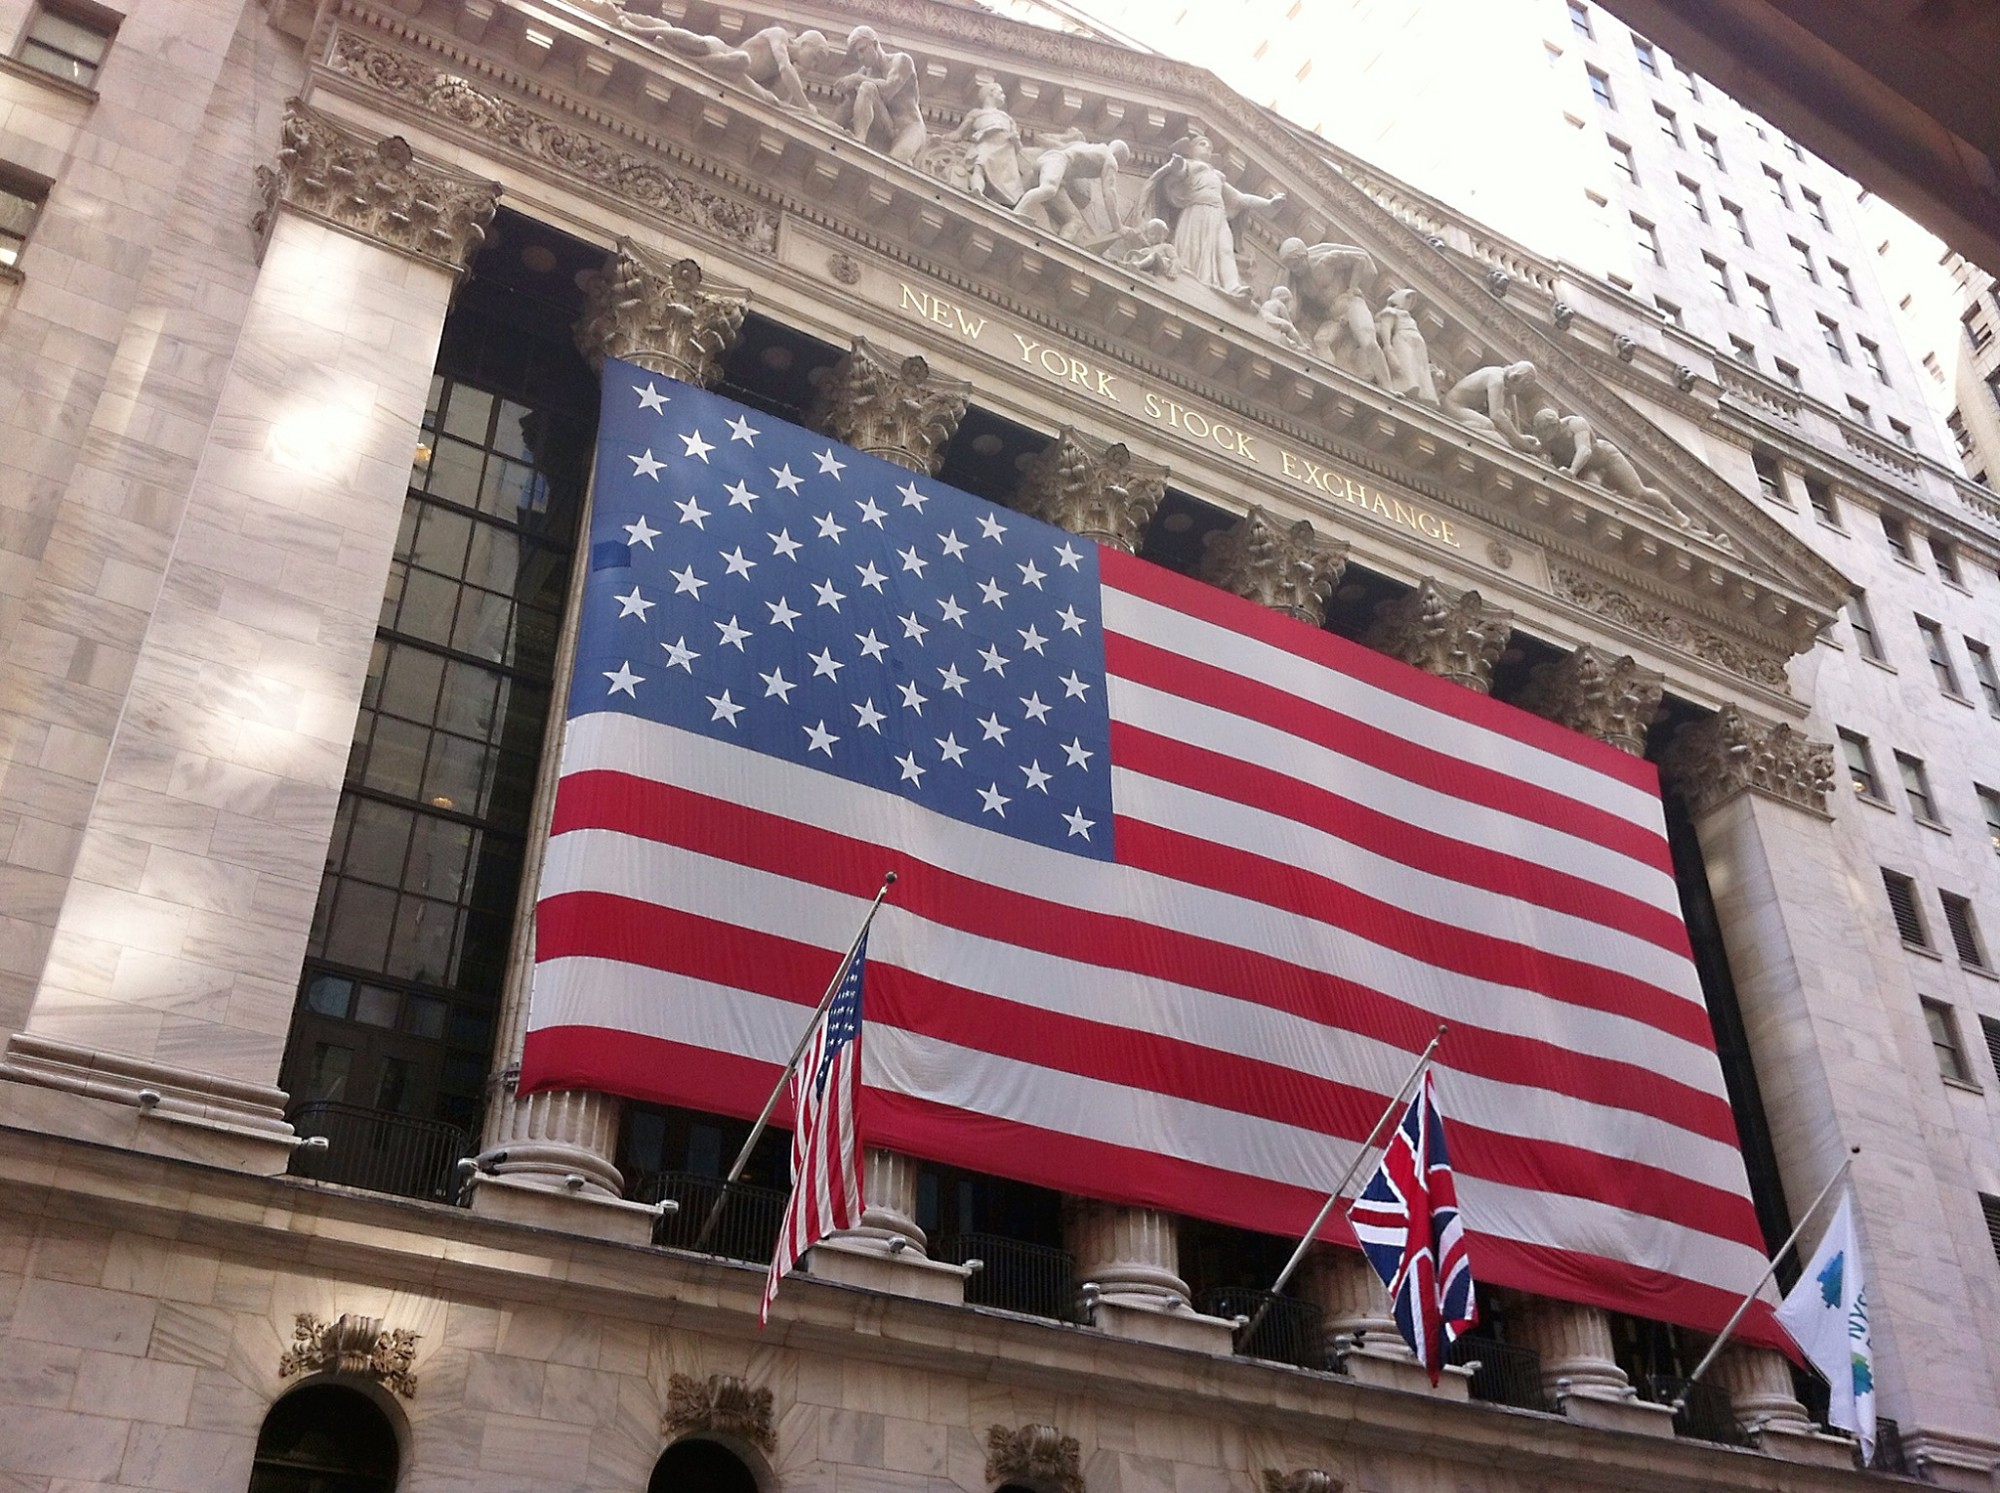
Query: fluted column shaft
(1760, 1389)
(1346, 1289)
(1132, 1255)
(1574, 1341)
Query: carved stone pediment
(1095, 489)
(1732, 752)
(721, 1404)
(352, 1344)
(1038, 1455)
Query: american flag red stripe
(1319, 854)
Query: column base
(1809, 1447)
(1176, 1327)
(866, 1263)
(1627, 1412)
(564, 1211)
(1402, 1371)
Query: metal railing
(1707, 1415)
(1502, 1373)
(1290, 1330)
(747, 1229)
(379, 1151)
(1014, 1275)
(1889, 1455)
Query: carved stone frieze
(375, 188)
(577, 154)
(1455, 637)
(1601, 695)
(1301, 1480)
(1712, 761)
(721, 1404)
(895, 409)
(1740, 659)
(352, 1344)
(1034, 1454)
(1291, 568)
(1099, 491)
(658, 313)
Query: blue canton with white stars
(765, 586)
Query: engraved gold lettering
(1428, 523)
(1287, 463)
(1152, 405)
(970, 326)
(1242, 445)
(915, 300)
(1449, 537)
(1104, 384)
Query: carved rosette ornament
(354, 1345)
(1098, 491)
(720, 1405)
(895, 409)
(1035, 1455)
(1290, 568)
(658, 313)
(1599, 694)
(374, 188)
(1712, 761)
(1455, 637)
(1301, 1480)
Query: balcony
(1502, 1373)
(1285, 1330)
(1015, 1276)
(1706, 1416)
(746, 1229)
(378, 1151)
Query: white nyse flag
(1827, 1313)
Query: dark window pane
(392, 595)
(455, 469)
(378, 662)
(482, 623)
(330, 1067)
(396, 1086)
(438, 853)
(381, 839)
(423, 1015)
(441, 540)
(469, 413)
(495, 559)
(470, 1028)
(406, 530)
(513, 788)
(322, 916)
(343, 821)
(422, 947)
(376, 1006)
(329, 995)
(470, 704)
(463, 1072)
(358, 933)
(428, 603)
(482, 953)
(511, 490)
(396, 758)
(456, 778)
(510, 431)
(498, 877)
(410, 687)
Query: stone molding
(896, 409)
(1765, 667)
(161, 1091)
(1454, 637)
(354, 1345)
(1712, 761)
(722, 1405)
(1094, 489)
(1606, 697)
(1034, 1454)
(1290, 568)
(1301, 1480)
(375, 189)
(659, 313)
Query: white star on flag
(953, 545)
(992, 730)
(824, 663)
(1036, 710)
(829, 528)
(872, 647)
(734, 563)
(991, 527)
(726, 709)
(642, 532)
(996, 663)
(912, 700)
(782, 614)
(951, 750)
(820, 739)
(1072, 620)
(687, 583)
(679, 655)
(645, 466)
(651, 398)
(913, 630)
(952, 680)
(1071, 559)
(993, 801)
(828, 597)
(911, 497)
(870, 576)
(696, 446)
(992, 595)
(740, 495)
(783, 477)
(953, 612)
(782, 544)
(1031, 573)
(870, 514)
(1073, 687)
(740, 429)
(1078, 825)
(912, 561)
(829, 464)
(775, 683)
(1036, 777)
(691, 513)
(870, 717)
(732, 635)
(1077, 754)
(623, 679)
(911, 772)
(632, 604)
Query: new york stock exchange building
(679, 464)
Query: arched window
(325, 1438)
(697, 1466)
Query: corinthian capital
(1609, 698)
(1098, 491)
(658, 313)
(375, 189)
(895, 409)
(1455, 637)
(1712, 761)
(1289, 568)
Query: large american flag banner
(1184, 883)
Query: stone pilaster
(895, 409)
(1456, 637)
(1580, 1372)
(1097, 491)
(661, 314)
(199, 859)
(1290, 568)
(1609, 698)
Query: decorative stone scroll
(1288, 568)
(1034, 1454)
(1712, 761)
(352, 1344)
(1098, 491)
(899, 411)
(1609, 698)
(721, 1405)
(1301, 1480)
(656, 312)
(1455, 637)
(374, 188)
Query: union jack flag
(826, 1144)
(1407, 1221)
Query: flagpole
(1722, 1338)
(1396, 1102)
(764, 1117)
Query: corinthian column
(1456, 637)
(1290, 568)
(897, 410)
(1608, 698)
(1096, 491)
(161, 1014)
(546, 1152)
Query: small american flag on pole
(826, 1145)
(1407, 1221)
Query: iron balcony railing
(378, 1151)
(746, 1230)
(1707, 1414)
(1502, 1373)
(1889, 1455)
(1014, 1275)
(1289, 1330)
